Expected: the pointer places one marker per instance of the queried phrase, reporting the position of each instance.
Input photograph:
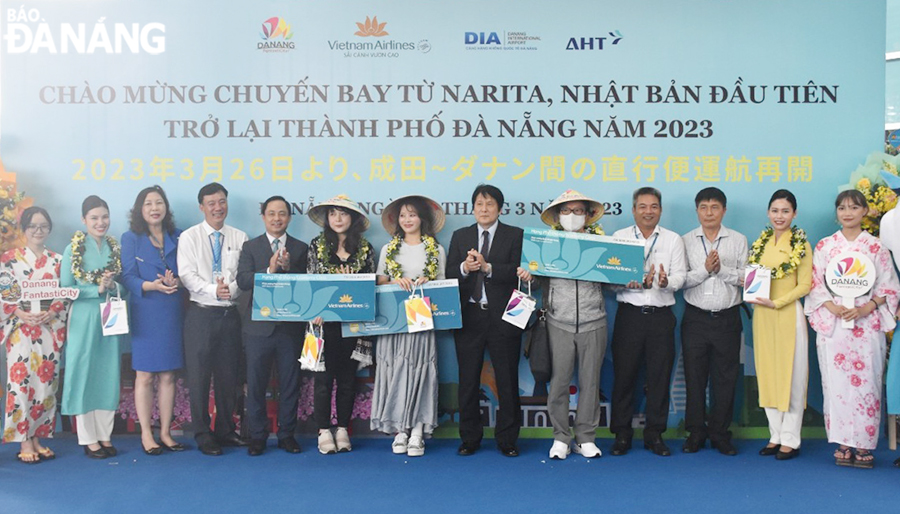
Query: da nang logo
(276, 36)
(27, 31)
(850, 274)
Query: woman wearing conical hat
(576, 324)
(406, 381)
(340, 248)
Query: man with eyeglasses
(644, 332)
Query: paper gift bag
(520, 306)
(312, 356)
(114, 316)
(418, 312)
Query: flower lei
(798, 250)
(593, 228)
(392, 267)
(356, 261)
(93, 277)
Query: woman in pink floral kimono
(33, 340)
(851, 360)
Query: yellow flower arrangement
(798, 251)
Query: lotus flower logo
(533, 265)
(434, 307)
(346, 299)
(850, 266)
(371, 28)
(274, 27)
(614, 261)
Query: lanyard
(703, 240)
(650, 252)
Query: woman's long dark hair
(354, 231)
(423, 209)
(136, 216)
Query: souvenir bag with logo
(418, 312)
(520, 306)
(114, 315)
(312, 356)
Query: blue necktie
(275, 244)
(217, 251)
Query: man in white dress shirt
(644, 332)
(711, 327)
(208, 256)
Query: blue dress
(156, 318)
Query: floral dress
(851, 360)
(32, 351)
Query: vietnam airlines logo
(533, 266)
(346, 299)
(434, 307)
(275, 27)
(614, 261)
(276, 36)
(850, 266)
(371, 28)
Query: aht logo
(482, 38)
(594, 43)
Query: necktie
(217, 251)
(479, 279)
(275, 244)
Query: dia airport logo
(502, 40)
(276, 36)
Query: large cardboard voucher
(390, 315)
(302, 297)
(574, 255)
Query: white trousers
(94, 426)
(784, 427)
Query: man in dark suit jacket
(267, 341)
(484, 258)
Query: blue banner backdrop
(383, 99)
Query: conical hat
(318, 213)
(391, 212)
(595, 208)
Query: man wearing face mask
(576, 325)
(644, 332)
(711, 327)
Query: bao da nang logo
(28, 32)
(276, 36)
(850, 274)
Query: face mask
(571, 222)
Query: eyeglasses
(38, 228)
(578, 211)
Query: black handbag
(537, 351)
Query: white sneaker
(401, 442)
(559, 450)
(416, 446)
(588, 450)
(343, 440)
(326, 442)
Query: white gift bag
(520, 306)
(114, 315)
